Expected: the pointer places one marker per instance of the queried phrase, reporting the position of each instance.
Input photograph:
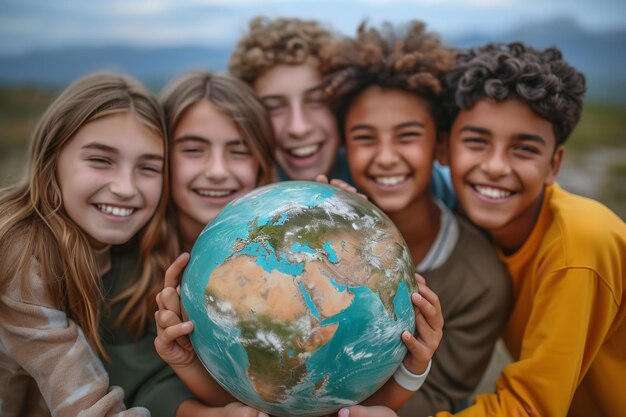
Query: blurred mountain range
(600, 55)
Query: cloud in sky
(34, 24)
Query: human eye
(525, 150)
(240, 151)
(474, 142)
(363, 138)
(191, 149)
(151, 168)
(409, 135)
(99, 161)
(316, 99)
(274, 105)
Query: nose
(123, 183)
(299, 122)
(216, 167)
(387, 155)
(496, 164)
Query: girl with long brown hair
(95, 179)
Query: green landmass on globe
(299, 292)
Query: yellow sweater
(567, 331)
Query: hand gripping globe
(299, 293)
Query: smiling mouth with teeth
(304, 151)
(391, 180)
(493, 193)
(115, 211)
(214, 193)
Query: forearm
(390, 395)
(53, 350)
(202, 384)
(194, 408)
(399, 388)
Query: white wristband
(408, 380)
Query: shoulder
(477, 253)
(582, 231)
(18, 260)
(583, 217)
(472, 275)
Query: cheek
(533, 174)
(184, 170)
(359, 158)
(247, 172)
(325, 120)
(460, 159)
(279, 123)
(152, 190)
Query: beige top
(47, 367)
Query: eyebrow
(520, 136)
(317, 88)
(109, 149)
(412, 123)
(100, 147)
(272, 97)
(194, 138)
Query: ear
(442, 149)
(555, 165)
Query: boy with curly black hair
(511, 109)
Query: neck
(188, 230)
(419, 224)
(102, 255)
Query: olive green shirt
(135, 365)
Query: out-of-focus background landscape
(46, 45)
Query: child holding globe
(94, 180)
(221, 144)
(386, 85)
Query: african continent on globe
(299, 293)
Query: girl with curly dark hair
(386, 84)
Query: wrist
(415, 366)
(409, 380)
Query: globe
(299, 293)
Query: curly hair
(540, 78)
(271, 42)
(407, 58)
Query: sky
(27, 25)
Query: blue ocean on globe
(299, 293)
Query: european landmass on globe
(299, 293)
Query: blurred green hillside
(594, 166)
